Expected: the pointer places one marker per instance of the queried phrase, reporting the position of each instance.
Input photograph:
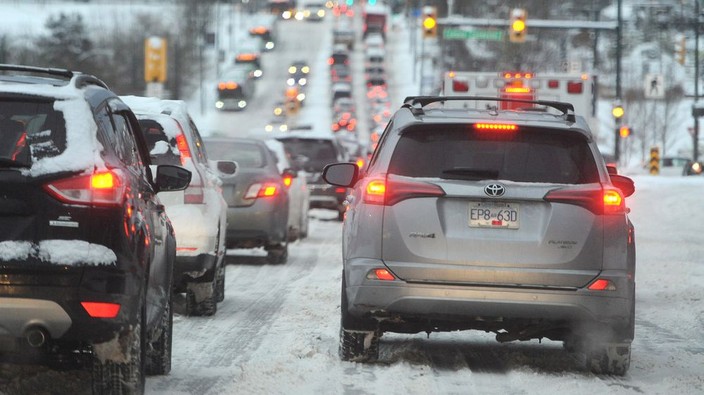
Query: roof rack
(81, 79)
(416, 103)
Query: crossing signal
(430, 22)
(517, 25)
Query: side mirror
(623, 183)
(289, 173)
(341, 174)
(227, 168)
(172, 178)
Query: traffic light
(517, 25)
(624, 131)
(430, 22)
(155, 59)
(681, 49)
(617, 111)
(654, 163)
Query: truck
(579, 89)
(375, 17)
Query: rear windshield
(162, 148)
(525, 156)
(313, 154)
(246, 155)
(29, 131)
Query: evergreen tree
(67, 45)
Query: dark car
(257, 198)
(503, 221)
(87, 249)
(312, 151)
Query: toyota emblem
(494, 190)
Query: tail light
(496, 127)
(380, 274)
(104, 187)
(602, 285)
(331, 61)
(360, 163)
(392, 190)
(553, 84)
(101, 310)
(460, 85)
(288, 180)
(261, 190)
(575, 88)
(182, 145)
(598, 201)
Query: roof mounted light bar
(416, 103)
(80, 79)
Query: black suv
(86, 250)
(311, 151)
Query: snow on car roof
(82, 146)
(176, 109)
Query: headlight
(241, 104)
(269, 45)
(290, 82)
(268, 128)
(219, 104)
(286, 15)
(301, 96)
(258, 73)
(697, 167)
(302, 81)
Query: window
(527, 156)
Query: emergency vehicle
(578, 89)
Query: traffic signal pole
(617, 120)
(695, 135)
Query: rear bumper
(256, 226)
(471, 307)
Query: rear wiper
(468, 173)
(7, 162)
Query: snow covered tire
(359, 346)
(123, 378)
(201, 299)
(159, 352)
(610, 359)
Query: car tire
(341, 215)
(159, 354)
(277, 254)
(359, 346)
(207, 305)
(220, 285)
(609, 358)
(305, 221)
(110, 377)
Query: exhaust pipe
(35, 337)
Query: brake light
(496, 127)
(288, 180)
(380, 274)
(602, 285)
(575, 88)
(460, 85)
(194, 194)
(331, 61)
(101, 309)
(553, 84)
(104, 187)
(182, 145)
(517, 89)
(259, 190)
(393, 190)
(360, 163)
(598, 201)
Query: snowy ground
(277, 330)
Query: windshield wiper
(7, 162)
(468, 173)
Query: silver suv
(501, 221)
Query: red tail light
(182, 145)
(101, 310)
(575, 87)
(460, 85)
(105, 187)
(259, 190)
(598, 201)
(496, 127)
(331, 61)
(288, 180)
(380, 274)
(392, 190)
(602, 285)
(553, 84)
(193, 194)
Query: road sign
(654, 86)
(458, 34)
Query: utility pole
(617, 126)
(695, 135)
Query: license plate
(493, 215)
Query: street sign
(654, 86)
(458, 34)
